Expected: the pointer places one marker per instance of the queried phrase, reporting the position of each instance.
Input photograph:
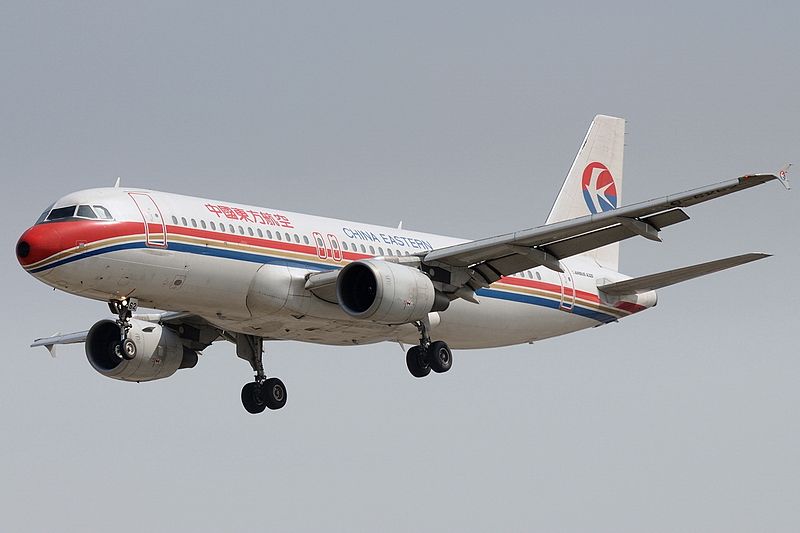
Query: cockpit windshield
(96, 212)
(44, 214)
(62, 212)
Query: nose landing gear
(124, 308)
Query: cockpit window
(62, 212)
(102, 212)
(97, 212)
(43, 216)
(85, 211)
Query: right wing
(472, 265)
(671, 277)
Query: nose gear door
(155, 229)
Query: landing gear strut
(124, 308)
(427, 356)
(263, 392)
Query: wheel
(253, 398)
(415, 360)
(274, 392)
(440, 357)
(125, 349)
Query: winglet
(783, 176)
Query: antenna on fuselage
(116, 183)
(400, 225)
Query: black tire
(417, 363)
(125, 349)
(274, 392)
(253, 398)
(440, 357)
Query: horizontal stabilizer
(671, 277)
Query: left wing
(466, 267)
(671, 277)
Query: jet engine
(385, 292)
(159, 351)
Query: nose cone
(37, 243)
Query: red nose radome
(37, 243)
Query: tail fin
(594, 182)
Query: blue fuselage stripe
(310, 265)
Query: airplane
(219, 270)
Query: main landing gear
(263, 392)
(427, 356)
(124, 308)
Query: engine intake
(388, 293)
(159, 351)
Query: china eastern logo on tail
(599, 189)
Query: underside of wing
(194, 331)
(671, 277)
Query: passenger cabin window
(277, 235)
(305, 239)
(213, 226)
(344, 246)
(183, 221)
(174, 219)
(269, 234)
(203, 224)
(296, 238)
(260, 234)
(250, 231)
(194, 223)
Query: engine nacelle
(159, 351)
(385, 292)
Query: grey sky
(458, 118)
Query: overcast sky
(458, 118)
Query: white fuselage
(180, 253)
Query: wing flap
(671, 277)
(620, 232)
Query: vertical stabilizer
(594, 182)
